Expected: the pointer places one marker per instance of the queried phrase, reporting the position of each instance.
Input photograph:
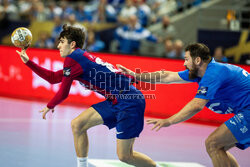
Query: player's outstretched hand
(45, 111)
(23, 55)
(125, 70)
(158, 123)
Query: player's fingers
(151, 121)
(159, 127)
(18, 52)
(155, 126)
(44, 114)
(121, 67)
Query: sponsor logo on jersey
(232, 122)
(202, 91)
(244, 129)
(66, 71)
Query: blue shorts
(239, 125)
(127, 115)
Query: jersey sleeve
(71, 70)
(50, 76)
(185, 76)
(210, 83)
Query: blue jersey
(227, 87)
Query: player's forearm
(186, 112)
(62, 93)
(152, 77)
(50, 76)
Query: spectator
(79, 12)
(101, 11)
(56, 30)
(112, 10)
(126, 11)
(41, 13)
(162, 7)
(71, 21)
(44, 40)
(168, 47)
(219, 55)
(130, 36)
(10, 10)
(143, 12)
(117, 4)
(93, 43)
(66, 9)
(109, 9)
(165, 31)
(54, 10)
(24, 7)
(178, 50)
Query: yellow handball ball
(21, 37)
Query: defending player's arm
(166, 77)
(192, 108)
(50, 76)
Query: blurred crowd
(131, 17)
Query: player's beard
(193, 73)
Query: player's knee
(77, 126)
(125, 158)
(211, 145)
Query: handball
(21, 37)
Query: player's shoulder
(224, 68)
(76, 53)
(76, 56)
(73, 58)
(215, 71)
(217, 67)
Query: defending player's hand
(45, 111)
(158, 123)
(23, 55)
(125, 70)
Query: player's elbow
(199, 104)
(198, 108)
(64, 96)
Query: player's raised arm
(166, 77)
(50, 76)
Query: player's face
(64, 47)
(190, 65)
(188, 61)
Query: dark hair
(199, 50)
(73, 34)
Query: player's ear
(73, 44)
(197, 60)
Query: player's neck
(72, 50)
(202, 69)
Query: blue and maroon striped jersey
(92, 72)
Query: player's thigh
(88, 119)
(125, 147)
(222, 137)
